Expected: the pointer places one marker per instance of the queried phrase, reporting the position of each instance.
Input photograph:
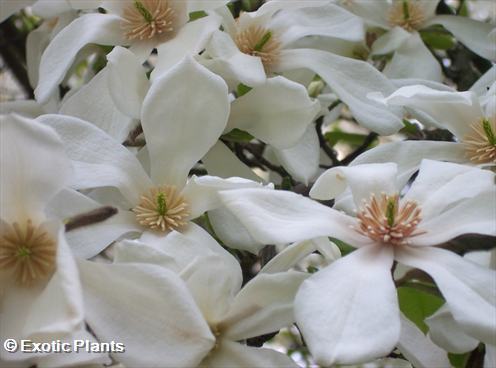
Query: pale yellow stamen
(261, 42)
(407, 14)
(480, 143)
(147, 19)
(162, 208)
(383, 219)
(27, 251)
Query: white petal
(351, 80)
(27, 108)
(454, 111)
(231, 64)
(178, 133)
(213, 285)
(34, 167)
(390, 41)
(277, 112)
(161, 326)
(88, 241)
(36, 42)
(418, 348)
(197, 5)
(189, 41)
(481, 86)
(201, 192)
(98, 159)
(490, 357)
(222, 162)
(469, 289)
(264, 305)
(472, 33)
(302, 159)
(373, 12)
(232, 232)
(407, 155)
(363, 180)
(338, 319)
(414, 60)
(329, 21)
(93, 103)
(127, 81)
(289, 256)
(280, 217)
(446, 333)
(232, 354)
(134, 251)
(103, 29)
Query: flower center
(480, 143)
(163, 209)
(146, 19)
(384, 220)
(261, 42)
(406, 14)
(28, 252)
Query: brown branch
(363, 147)
(89, 218)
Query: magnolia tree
(248, 184)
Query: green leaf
(417, 305)
(197, 15)
(438, 40)
(352, 139)
(242, 89)
(344, 248)
(458, 360)
(238, 135)
(409, 128)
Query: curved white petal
(27, 108)
(99, 160)
(412, 59)
(277, 112)
(36, 42)
(281, 217)
(408, 155)
(339, 319)
(197, 5)
(418, 348)
(374, 13)
(127, 81)
(189, 41)
(33, 166)
(469, 289)
(351, 80)
(93, 103)
(363, 180)
(454, 111)
(232, 354)
(329, 21)
(162, 327)
(390, 41)
(231, 64)
(483, 84)
(201, 192)
(264, 305)
(446, 333)
(103, 29)
(232, 232)
(490, 356)
(472, 33)
(222, 162)
(302, 159)
(184, 113)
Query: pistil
(260, 42)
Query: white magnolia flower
(40, 292)
(260, 44)
(404, 19)
(155, 193)
(471, 119)
(446, 332)
(339, 318)
(197, 321)
(142, 25)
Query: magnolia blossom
(470, 118)
(154, 193)
(142, 25)
(188, 306)
(403, 19)
(40, 293)
(338, 318)
(261, 43)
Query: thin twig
(363, 147)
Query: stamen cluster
(480, 144)
(146, 19)
(406, 14)
(261, 42)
